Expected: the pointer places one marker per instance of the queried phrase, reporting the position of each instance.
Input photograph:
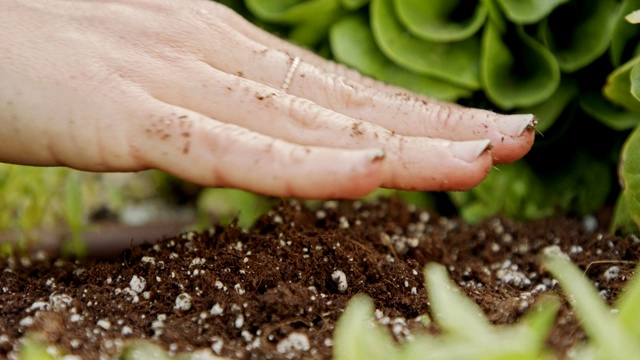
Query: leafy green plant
(31, 200)
(56, 199)
(574, 63)
(466, 333)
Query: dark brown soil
(250, 290)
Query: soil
(267, 291)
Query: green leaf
(618, 87)
(141, 350)
(528, 11)
(549, 110)
(455, 313)
(581, 186)
(356, 337)
(352, 44)
(517, 71)
(455, 62)
(611, 115)
(33, 348)
(635, 81)
(623, 32)
(495, 15)
(580, 31)
(292, 12)
(628, 309)
(511, 190)
(630, 174)
(311, 33)
(596, 319)
(228, 204)
(354, 4)
(621, 221)
(441, 20)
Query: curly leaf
(352, 44)
(454, 62)
(549, 110)
(614, 117)
(511, 190)
(516, 71)
(618, 87)
(441, 20)
(630, 174)
(579, 32)
(528, 11)
(354, 4)
(495, 15)
(623, 32)
(292, 12)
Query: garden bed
(277, 290)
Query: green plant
(56, 199)
(465, 332)
(467, 335)
(574, 63)
(610, 336)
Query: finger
(349, 93)
(210, 153)
(412, 163)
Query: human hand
(191, 88)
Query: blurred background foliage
(572, 63)
(569, 62)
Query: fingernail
(515, 125)
(468, 150)
(377, 154)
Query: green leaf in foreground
(440, 20)
(517, 71)
(352, 44)
(456, 62)
(467, 333)
(528, 11)
(35, 349)
(608, 337)
(356, 337)
(630, 174)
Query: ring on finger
(292, 70)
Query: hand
(191, 88)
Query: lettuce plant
(574, 63)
